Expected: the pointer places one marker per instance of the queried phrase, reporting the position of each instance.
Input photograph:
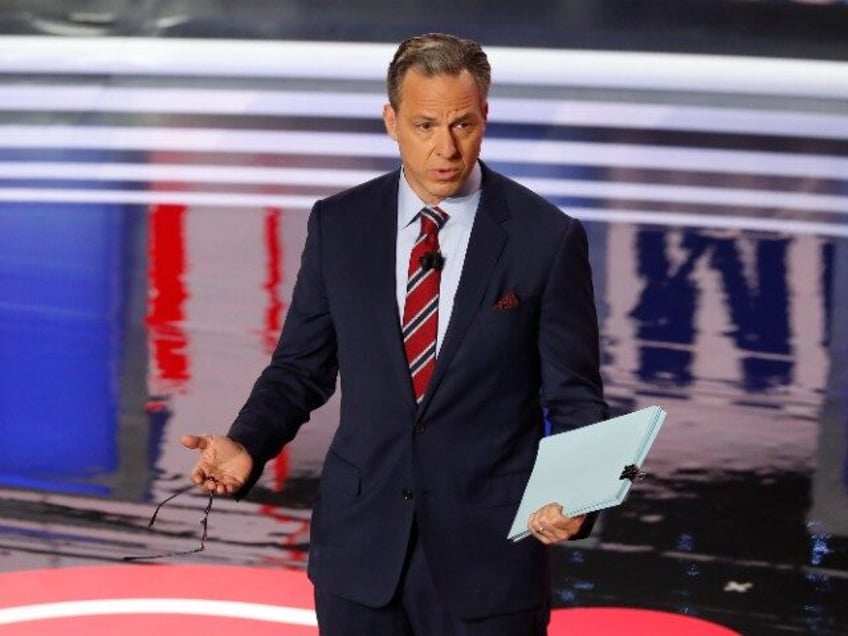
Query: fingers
(212, 484)
(229, 487)
(200, 442)
(203, 474)
(537, 527)
(214, 481)
(549, 525)
(542, 529)
(200, 475)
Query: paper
(582, 468)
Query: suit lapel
(484, 250)
(383, 245)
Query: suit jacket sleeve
(302, 372)
(572, 389)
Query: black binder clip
(632, 472)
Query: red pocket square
(508, 301)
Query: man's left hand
(549, 525)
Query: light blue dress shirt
(453, 241)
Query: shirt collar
(461, 207)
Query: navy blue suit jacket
(458, 463)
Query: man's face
(439, 126)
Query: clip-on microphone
(431, 260)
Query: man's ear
(390, 120)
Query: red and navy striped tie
(421, 312)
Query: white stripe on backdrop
(340, 179)
(520, 66)
(350, 105)
(611, 155)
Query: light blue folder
(588, 468)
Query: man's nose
(445, 143)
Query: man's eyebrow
(466, 118)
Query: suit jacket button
(406, 494)
(420, 428)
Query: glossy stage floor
(153, 199)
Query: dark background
(769, 28)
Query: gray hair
(438, 54)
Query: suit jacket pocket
(490, 315)
(340, 476)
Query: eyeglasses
(204, 523)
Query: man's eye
(425, 126)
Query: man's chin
(444, 189)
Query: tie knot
(432, 220)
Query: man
(456, 307)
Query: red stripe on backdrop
(167, 295)
(273, 278)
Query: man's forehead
(433, 92)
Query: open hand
(223, 466)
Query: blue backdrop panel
(61, 290)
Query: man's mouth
(446, 174)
